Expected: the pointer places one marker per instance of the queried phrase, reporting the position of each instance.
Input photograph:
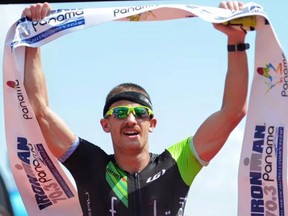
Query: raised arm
(56, 134)
(213, 133)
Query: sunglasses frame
(129, 110)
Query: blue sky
(181, 63)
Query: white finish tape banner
(44, 186)
(263, 165)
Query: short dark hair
(125, 87)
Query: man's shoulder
(86, 148)
(180, 146)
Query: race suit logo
(156, 176)
(117, 180)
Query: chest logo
(156, 176)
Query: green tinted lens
(141, 112)
(121, 112)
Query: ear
(153, 123)
(105, 125)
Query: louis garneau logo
(156, 176)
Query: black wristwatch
(238, 47)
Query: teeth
(130, 132)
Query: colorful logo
(274, 76)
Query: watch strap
(238, 47)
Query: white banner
(263, 163)
(43, 185)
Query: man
(133, 181)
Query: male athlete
(134, 181)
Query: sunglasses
(122, 112)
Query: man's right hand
(37, 11)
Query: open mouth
(131, 133)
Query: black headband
(133, 96)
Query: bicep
(212, 134)
(56, 133)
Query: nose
(131, 119)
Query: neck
(132, 162)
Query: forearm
(34, 80)
(236, 85)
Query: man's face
(129, 134)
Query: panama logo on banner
(44, 186)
